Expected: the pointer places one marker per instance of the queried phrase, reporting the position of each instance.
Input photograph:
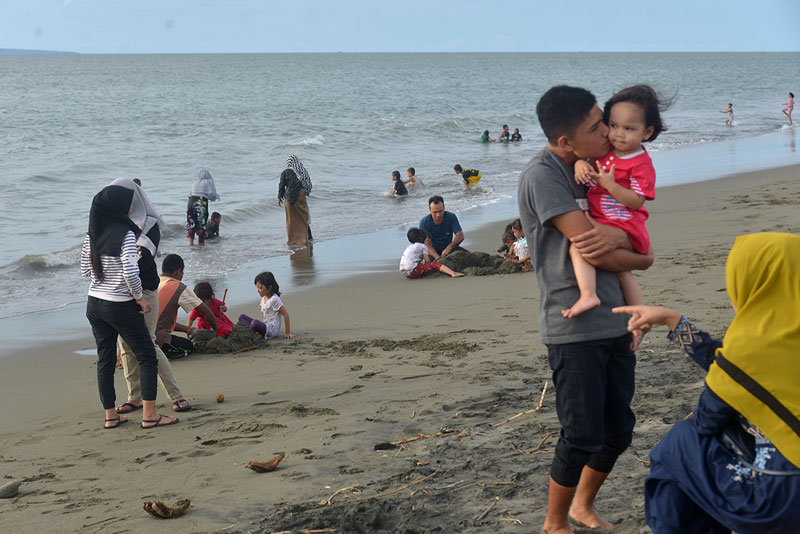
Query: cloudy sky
(201, 26)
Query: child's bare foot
(584, 304)
(589, 519)
(457, 275)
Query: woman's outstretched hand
(643, 318)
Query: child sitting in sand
(520, 253)
(205, 292)
(624, 179)
(413, 181)
(509, 241)
(416, 261)
(271, 306)
(399, 187)
(212, 228)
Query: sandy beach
(377, 359)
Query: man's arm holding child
(604, 247)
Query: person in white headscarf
(146, 217)
(203, 192)
(293, 190)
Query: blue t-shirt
(442, 234)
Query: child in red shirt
(205, 292)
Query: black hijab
(109, 221)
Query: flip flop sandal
(130, 407)
(119, 421)
(157, 422)
(181, 406)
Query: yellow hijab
(757, 371)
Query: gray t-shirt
(547, 188)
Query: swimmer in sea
(469, 176)
(729, 111)
(485, 137)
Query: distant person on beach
(591, 356)
(116, 305)
(735, 465)
(729, 111)
(443, 227)
(413, 181)
(212, 227)
(521, 254)
(789, 107)
(470, 177)
(516, 136)
(205, 292)
(271, 306)
(293, 190)
(619, 184)
(398, 187)
(504, 135)
(485, 137)
(145, 216)
(173, 294)
(203, 192)
(416, 261)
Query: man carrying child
(591, 356)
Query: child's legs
(255, 326)
(630, 289)
(584, 273)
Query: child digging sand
(272, 308)
(206, 293)
(625, 178)
(416, 261)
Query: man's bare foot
(584, 304)
(556, 530)
(589, 518)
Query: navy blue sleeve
(712, 413)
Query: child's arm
(426, 258)
(286, 326)
(583, 171)
(606, 180)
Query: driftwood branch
(485, 512)
(386, 494)
(526, 412)
(245, 349)
(418, 437)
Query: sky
(267, 26)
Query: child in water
(413, 181)
(205, 292)
(416, 261)
(212, 228)
(399, 188)
(470, 177)
(271, 306)
(203, 191)
(789, 107)
(729, 111)
(624, 179)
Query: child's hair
(412, 171)
(267, 279)
(516, 224)
(646, 98)
(417, 235)
(791, 94)
(508, 236)
(457, 167)
(562, 109)
(215, 215)
(203, 290)
(486, 132)
(396, 175)
(505, 126)
(171, 263)
(730, 105)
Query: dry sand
(377, 359)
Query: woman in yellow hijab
(735, 466)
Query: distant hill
(30, 52)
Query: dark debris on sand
(207, 342)
(478, 263)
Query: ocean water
(72, 124)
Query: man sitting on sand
(443, 227)
(172, 294)
(591, 356)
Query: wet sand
(378, 359)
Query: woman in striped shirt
(116, 304)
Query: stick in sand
(526, 412)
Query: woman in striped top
(116, 304)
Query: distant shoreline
(22, 51)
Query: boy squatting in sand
(416, 261)
(625, 178)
